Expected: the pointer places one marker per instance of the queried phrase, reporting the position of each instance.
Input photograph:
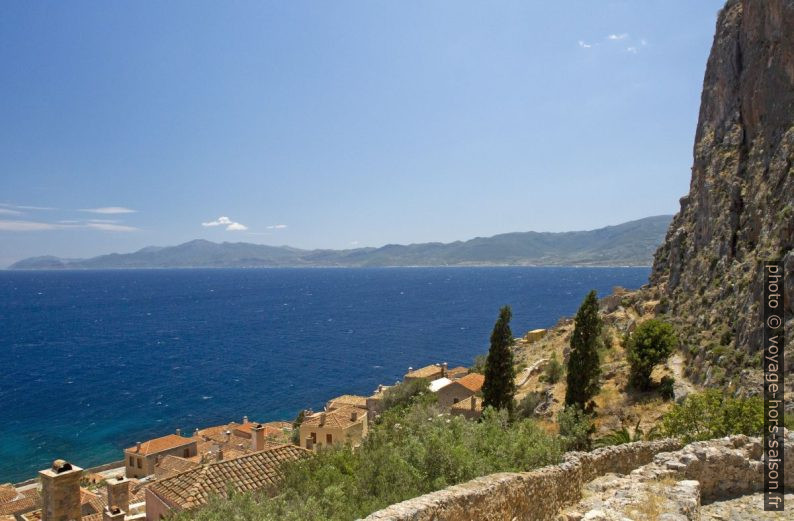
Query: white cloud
(353, 243)
(632, 50)
(621, 36)
(110, 227)
(37, 226)
(9, 211)
(231, 226)
(22, 207)
(26, 226)
(276, 226)
(109, 210)
(643, 42)
(584, 45)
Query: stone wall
(539, 494)
(616, 481)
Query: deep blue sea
(93, 361)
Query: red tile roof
(336, 419)
(472, 381)
(160, 444)
(256, 471)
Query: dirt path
(682, 385)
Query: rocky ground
(618, 405)
(704, 481)
(744, 508)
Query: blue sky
(340, 124)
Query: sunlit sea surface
(93, 361)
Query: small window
(139, 463)
(132, 461)
(455, 400)
(328, 439)
(186, 453)
(314, 437)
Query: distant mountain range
(628, 244)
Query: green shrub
(526, 407)
(667, 388)
(410, 451)
(625, 436)
(712, 414)
(554, 370)
(650, 344)
(406, 393)
(576, 427)
(479, 364)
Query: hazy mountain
(628, 244)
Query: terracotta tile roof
(457, 372)
(20, 506)
(428, 371)
(472, 381)
(347, 400)
(337, 419)
(7, 493)
(218, 430)
(91, 502)
(160, 444)
(171, 465)
(255, 471)
(279, 425)
(93, 517)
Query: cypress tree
(499, 387)
(584, 369)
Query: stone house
(429, 372)
(470, 408)
(346, 400)
(343, 425)
(141, 459)
(258, 471)
(460, 389)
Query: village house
(457, 373)
(375, 402)
(326, 428)
(346, 400)
(258, 471)
(140, 460)
(460, 389)
(470, 408)
(60, 497)
(534, 335)
(429, 372)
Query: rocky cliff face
(740, 208)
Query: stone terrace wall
(538, 495)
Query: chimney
(228, 435)
(219, 455)
(137, 446)
(353, 416)
(258, 437)
(60, 491)
(443, 369)
(196, 433)
(113, 513)
(309, 443)
(119, 492)
(179, 432)
(245, 420)
(410, 368)
(322, 419)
